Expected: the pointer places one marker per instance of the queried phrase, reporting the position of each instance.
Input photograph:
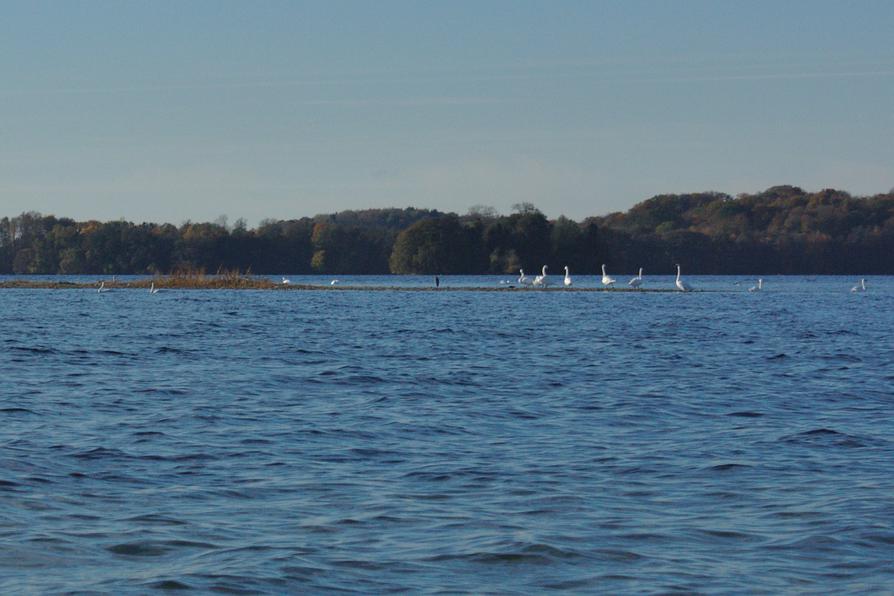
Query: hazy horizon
(171, 112)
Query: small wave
(728, 467)
(256, 441)
(39, 479)
(365, 379)
(169, 584)
(369, 452)
(533, 554)
(730, 535)
(821, 432)
(815, 542)
(170, 350)
(190, 544)
(618, 555)
(15, 410)
(522, 415)
(359, 564)
(114, 353)
(881, 538)
(428, 476)
(779, 356)
(34, 350)
(139, 549)
(99, 453)
(154, 518)
(824, 436)
(574, 584)
(745, 414)
(176, 458)
(795, 514)
(163, 391)
(153, 548)
(646, 537)
(842, 357)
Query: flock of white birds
(636, 282)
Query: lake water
(519, 441)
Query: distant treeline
(781, 230)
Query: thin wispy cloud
(778, 76)
(583, 71)
(408, 102)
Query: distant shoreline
(783, 230)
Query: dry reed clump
(30, 284)
(192, 279)
(183, 279)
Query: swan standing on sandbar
(682, 285)
(860, 287)
(758, 287)
(568, 281)
(637, 281)
(286, 281)
(102, 288)
(523, 279)
(153, 289)
(540, 281)
(333, 282)
(606, 280)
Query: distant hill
(389, 219)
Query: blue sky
(168, 111)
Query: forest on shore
(782, 230)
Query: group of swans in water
(542, 281)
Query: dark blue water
(464, 441)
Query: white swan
(541, 281)
(333, 282)
(102, 287)
(682, 285)
(860, 287)
(568, 281)
(153, 289)
(286, 281)
(758, 287)
(523, 279)
(606, 280)
(637, 281)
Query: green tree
(434, 246)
